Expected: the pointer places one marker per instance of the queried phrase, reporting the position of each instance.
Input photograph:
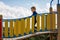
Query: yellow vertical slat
(15, 28)
(19, 27)
(28, 26)
(33, 21)
(17, 22)
(42, 22)
(6, 28)
(48, 22)
(11, 28)
(22, 26)
(38, 22)
(25, 25)
(53, 21)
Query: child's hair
(33, 8)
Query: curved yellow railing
(20, 27)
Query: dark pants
(35, 23)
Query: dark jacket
(34, 14)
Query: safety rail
(19, 27)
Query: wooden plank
(19, 26)
(11, 28)
(38, 22)
(33, 21)
(15, 28)
(53, 21)
(6, 28)
(22, 26)
(28, 26)
(58, 21)
(51, 36)
(48, 22)
(42, 22)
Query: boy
(33, 9)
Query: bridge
(23, 28)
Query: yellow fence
(19, 27)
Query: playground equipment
(19, 27)
(46, 23)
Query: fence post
(42, 22)
(0, 27)
(51, 11)
(58, 21)
(6, 28)
(48, 22)
(33, 24)
(51, 18)
(38, 22)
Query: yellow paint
(22, 26)
(53, 21)
(17, 32)
(19, 27)
(42, 22)
(38, 22)
(48, 22)
(11, 28)
(14, 28)
(28, 26)
(33, 21)
(6, 28)
(25, 26)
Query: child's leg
(35, 28)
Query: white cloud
(9, 12)
(53, 6)
(44, 9)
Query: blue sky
(22, 7)
(27, 3)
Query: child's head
(33, 9)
